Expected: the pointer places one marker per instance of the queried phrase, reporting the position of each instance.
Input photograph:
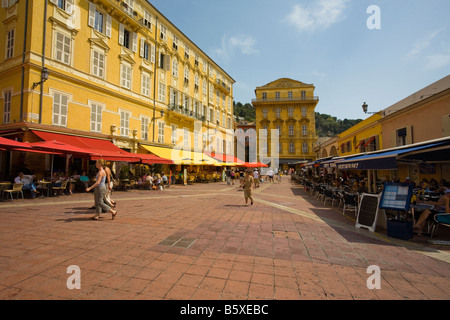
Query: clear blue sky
(323, 42)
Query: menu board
(396, 196)
(368, 211)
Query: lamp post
(365, 108)
(44, 77)
(154, 122)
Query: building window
(175, 68)
(278, 130)
(145, 84)
(163, 33)
(63, 48)
(186, 138)
(144, 128)
(304, 130)
(264, 113)
(304, 111)
(8, 3)
(98, 63)
(98, 21)
(291, 147)
(278, 112)
(303, 95)
(161, 126)
(147, 19)
(125, 75)
(124, 123)
(277, 95)
(290, 95)
(129, 6)
(10, 44)
(305, 148)
(291, 130)
(60, 109)
(96, 117)
(7, 107)
(162, 92)
(174, 134)
(127, 38)
(66, 5)
(401, 137)
(264, 95)
(291, 112)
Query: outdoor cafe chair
(350, 202)
(17, 188)
(61, 188)
(329, 195)
(442, 219)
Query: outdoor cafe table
(44, 185)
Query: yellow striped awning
(184, 157)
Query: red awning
(101, 149)
(368, 142)
(359, 144)
(60, 147)
(254, 165)
(226, 158)
(8, 144)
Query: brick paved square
(282, 248)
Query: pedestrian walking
(109, 186)
(248, 184)
(256, 178)
(100, 191)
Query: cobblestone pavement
(201, 242)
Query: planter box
(400, 229)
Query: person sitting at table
(441, 206)
(157, 181)
(27, 182)
(85, 179)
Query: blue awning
(381, 160)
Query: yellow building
(285, 113)
(117, 71)
(363, 137)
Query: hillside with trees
(326, 125)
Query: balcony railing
(179, 109)
(294, 99)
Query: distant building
(285, 117)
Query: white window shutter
(5, 3)
(141, 53)
(69, 6)
(91, 20)
(108, 25)
(135, 41)
(153, 54)
(121, 31)
(167, 62)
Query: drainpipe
(154, 78)
(23, 60)
(43, 61)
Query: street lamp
(154, 121)
(365, 107)
(44, 77)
